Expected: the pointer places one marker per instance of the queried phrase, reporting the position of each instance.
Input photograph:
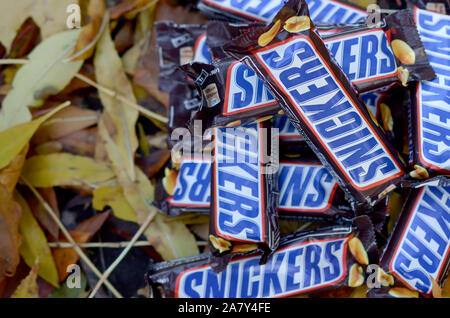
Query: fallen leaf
(49, 147)
(130, 7)
(170, 238)
(81, 142)
(154, 162)
(11, 173)
(71, 292)
(436, 290)
(63, 169)
(50, 15)
(109, 73)
(45, 74)
(35, 245)
(28, 36)
(124, 37)
(90, 33)
(67, 121)
(40, 213)
(21, 134)
(83, 233)
(10, 238)
(28, 287)
(113, 197)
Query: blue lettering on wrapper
(433, 102)
(364, 56)
(239, 200)
(290, 270)
(425, 244)
(193, 184)
(331, 115)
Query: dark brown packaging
(328, 11)
(179, 44)
(321, 103)
(429, 112)
(232, 94)
(374, 57)
(419, 245)
(319, 260)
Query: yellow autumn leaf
(21, 134)
(45, 74)
(113, 196)
(171, 238)
(50, 15)
(28, 287)
(64, 169)
(110, 74)
(35, 244)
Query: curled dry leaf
(10, 238)
(90, 33)
(28, 287)
(63, 169)
(28, 36)
(10, 174)
(130, 6)
(35, 246)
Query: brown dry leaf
(35, 245)
(170, 238)
(28, 36)
(50, 15)
(121, 119)
(81, 142)
(124, 38)
(436, 290)
(63, 169)
(28, 287)
(130, 7)
(154, 162)
(10, 239)
(67, 121)
(10, 174)
(83, 233)
(90, 33)
(41, 214)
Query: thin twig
(108, 244)
(110, 269)
(69, 238)
(105, 90)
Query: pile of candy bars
(314, 111)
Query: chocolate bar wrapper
(186, 189)
(374, 57)
(329, 11)
(179, 44)
(319, 260)
(419, 244)
(430, 108)
(184, 101)
(438, 6)
(244, 193)
(309, 192)
(321, 103)
(232, 94)
(292, 142)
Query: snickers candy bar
(179, 44)
(419, 245)
(244, 193)
(430, 107)
(187, 189)
(309, 191)
(305, 262)
(321, 103)
(232, 94)
(292, 142)
(376, 57)
(328, 11)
